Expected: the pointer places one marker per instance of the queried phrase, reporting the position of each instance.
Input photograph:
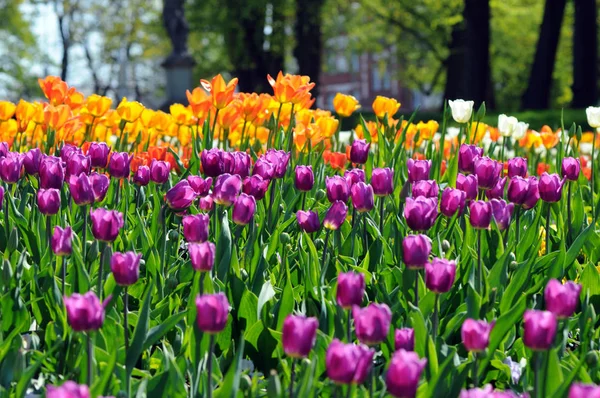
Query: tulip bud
(141, 176)
(476, 334)
(299, 335)
(202, 256)
(244, 208)
(181, 196)
(118, 166)
(98, 153)
(348, 363)
(372, 323)
(539, 329)
(308, 221)
(466, 158)
(453, 201)
(212, 312)
(305, 178)
(425, 188)
(320, 195)
(106, 224)
(404, 339)
(93, 252)
(461, 110)
(350, 289)
(201, 186)
(416, 250)
(125, 267)
(62, 241)
(362, 197)
(100, 183)
(440, 275)
(487, 171)
(48, 201)
(32, 160)
(195, 227)
(570, 169)
(255, 186)
(418, 170)
(227, 188)
(337, 189)
(480, 214)
(403, 374)
(517, 167)
(502, 213)
(81, 189)
(336, 215)
(359, 151)
(84, 313)
(354, 176)
(467, 184)
(284, 238)
(562, 299)
(420, 213)
(550, 187)
(382, 181)
(69, 389)
(13, 240)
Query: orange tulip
(97, 105)
(293, 89)
(230, 115)
(337, 160)
(254, 106)
(345, 105)
(160, 121)
(200, 103)
(531, 139)
(372, 127)
(57, 116)
(549, 138)
(129, 111)
(7, 110)
(74, 99)
(542, 168)
(221, 92)
(384, 105)
(54, 89)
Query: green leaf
(266, 294)
(32, 370)
(286, 304)
(554, 373)
(231, 382)
(157, 332)
(100, 384)
(139, 334)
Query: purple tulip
(206, 203)
(255, 186)
(32, 160)
(181, 196)
(372, 323)
(382, 181)
(279, 159)
(106, 224)
(404, 339)
(100, 183)
(403, 374)
(453, 201)
(228, 162)
(125, 267)
(67, 151)
(418, 170)
(350, 289)
(48, 201)
(159, 171)
(62, 241)
(305, 179)
(308, 221)
(517, 167)
(77, 164)
(466, 158)
(337, 189)
(550, 187)
(476, 334)
(299, 335)
(497, 192)
(98, 153)
(242, 163)
(69, 389)
(539, 329)
(468, 184)
(533, 194)
(348, 363)
(416, 250)
(10, 167)
(264, 168)
(489, 392)
(362, 197)
(359, 151)
(570, 169)
(212, 312)
(354, 176)
(195, 227)
(118, 165)
(4, 149)
(336, 215)
(425, 188)
(580, 390)
(523, 191)
(52, 173)
(202, 256)
(142, 176)
(420, 213)
(502, 213)
(227, 188)
(487, 171)
(85, 313)
(212, 162)
(440, 275)
(480, 214)
(244, 208)
(200, 185)
(81, 189)
(562, 300)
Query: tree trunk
(455, 64)
(537, 95)
(66, 44)
(477, 20)
(585, 54)
(309, 44)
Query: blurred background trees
(513, 54)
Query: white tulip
(520, 130)
(593, 116)
(452, 132)
(507, 125)
(585, 148)
(461, 110)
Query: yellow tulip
(129, 111)
(345, 105)
(7, 110)
(384, 105)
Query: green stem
(212, 130)
(479, 267)
(435, 317)
(548, 214)
(271, 200)
(90, 358)
(349, 327)
(537, 376)
(202, 277)
(381, 210)
(517, 230)
(292, 377)
(592, 176)
(324, 261)
(303, 200)
(63, 274)
(84, 232)
(352, 231)
(373, 381)
(417, 287)
(6, 221)
(211, 348)
(126, 336)
(474, 371)
(569, 184)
